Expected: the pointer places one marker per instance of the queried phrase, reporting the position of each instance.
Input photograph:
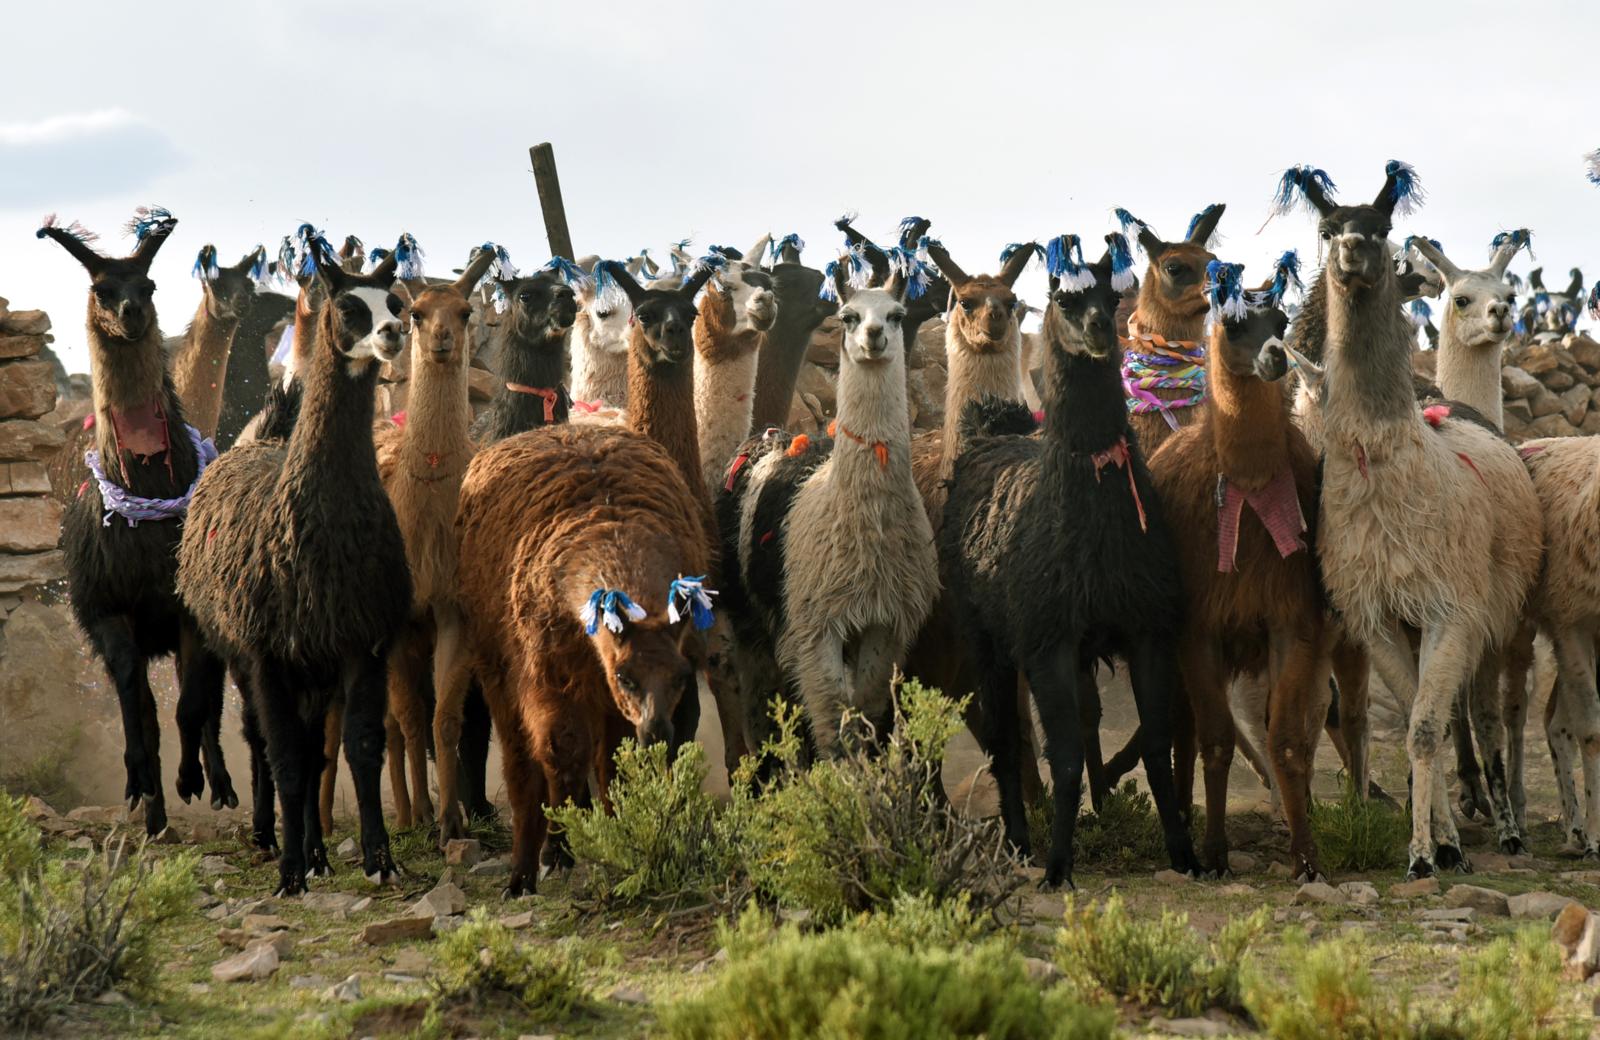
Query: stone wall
(1553, 389)
(30, 520)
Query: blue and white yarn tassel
(1064, 261)
(1520, 238)
(1408, 194)
(1419, 312)
(911, 269)
(609, 607)
(693, 592)
(259, 266)
(1592, 161)
(607, 290)
(713, 263)
(408, 258)
(1131, 226)
(1293, 184)
(1122, 277)
(375, 256)
(148, 220)
(205, 264)
(1194, 222)
(311, 244)
(910, 224)
(788, 241)
(570, 273)
(1285, 276)
(1225, 289)
(74, 229)
(1513, 280)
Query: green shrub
(1510, 990)
(665, 840)
(1158, 964)
(1360, 835)
(481, 963)
(852, 833)
(916, 922)
(1125, 833)
(70, 931)
(848, 983)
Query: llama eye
(1174, 270)
(525, 297)
(626, 683)
(1462, 302)
(849, 318)
(966, 306)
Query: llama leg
(1449, 656)
(409, 705)
(287, 736)
(365, 683)
(141, 752)
(1558, 732)
(1090, 713)
(1474, 800)
(201, 678)
(1053, 677)
(726, 693)
(1575, 685)
(686, 717)
(1248, 696)
(1157, 691)
(395, 758)
(316, 852)
(332, 734)
(1488, 722)
(474, 752)
(871, 676)
(1294, 717)
(451, 675)
(1214, 734)
(821, 677)
(525, 789)
(1351, 671)
(997, 686)
(1518, 665)
(263, 815)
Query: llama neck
(974, 373)
(872, 411)
(438, 414)
(332, 440)
(783, 352)
(539, 363)
(1368, 387)
(661, 407)
(1084, 407)
(1248, 419)
(201, 366)
(724, 385)
(598, 375)
(131, 385)
(1153, 314)
(1470, 373)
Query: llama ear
(612, 273)
(1015, 264)
(1536, 278)
(1204, 225)
(251, 262)
(353, 249)
(403, 292)
(897, 286)
(867, 247)
(1402, 189)
(477, 266)
(839, 271)
(1152, 246)
(75, 240)
(755, 253)
(151, 241)
(696, 280)
(1575, 287)
(330, 273)
(1505, 247)
(1434, 256)
(947, 267)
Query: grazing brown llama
(422, 459)
(1239, 489)
(296, 569)
(572, 541)
(200, 358)
(1404, 538)
(120, 533)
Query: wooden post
(555, 214)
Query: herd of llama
(1235, 489)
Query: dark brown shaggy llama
(547, 518)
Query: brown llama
(736, 312)
(1239, 488)
(200, 360)
(573, 539)
(800, 310)
(1403, 537)
(422, 460)
(120, 533)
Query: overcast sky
(999, 122)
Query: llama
(295, 566)
(1253, 597)
(1163, 357)
(600, 351)
(834, 552)
(1403, 538)
(200, 358)
(120, 533)
(531, 350)
(912, 231)
(801, 308)
(736, 311)
(421, 463)
(1057, 553)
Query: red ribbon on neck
(1117, 455)
(1278, 506)
(550, 397)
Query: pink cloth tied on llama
(1278, 506)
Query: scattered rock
(1545, 906)
(1171, 877)
(1517, 384)
(398, 929)
(330, 902)
(494, 866)
(1578, 933)
(630, 995)
(1485, 900)
(518, 921)
(348, 850)
(360, 905)
(412, 962)
(1569, 926)
(466, 852)
(1241, 862)
(1319, 892)
(260, 923)
(308, 982)
(1415, 889)
(258, 961)
(1360, 893)
(212, 866)
(1191, 1027)
(346, 992)
(1449, 914)
(35, 809)
(446, 900)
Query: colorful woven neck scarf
(1278, 506)
(134, 508)
(1153, 362)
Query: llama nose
(875, 339)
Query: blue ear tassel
(1593, 162)
(909, 225)
(1285, 276)
(1194, 222)
(713, 262)
(607, 291)
(1064, 261)
(1131, 225)
(148, 220)
(75, 229)
(860, 269)
(205, 264)
(1122, 278)
(1594, 301)
(788, 241)
(1541, 303)
(1011, 250)
(1421, 313)
(1292, 187)
(693, 592)
(1514, 281)
(258, 266)
(827, 291)
(1408, 194)
(609, 607)
(312, 244)
(1521, 238)
(408, 258)
(1225, 288)
(848, 219)
(569, 272)
(909, 267)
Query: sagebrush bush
(850, 983)
(666, 840)
(1157, 963)
(482, 963)
(1359, 834)
(1124, 833)
(1510, 990)
(919, 921)
(69, 932)
(854, 832)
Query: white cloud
(72, 157)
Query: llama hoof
(191, 781)
(1512, 846)
(378, 865)
(290, 883)
(1063, 885)
(1592, 852)
(1420, 868)
(1448, 857)
(1309, 875)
